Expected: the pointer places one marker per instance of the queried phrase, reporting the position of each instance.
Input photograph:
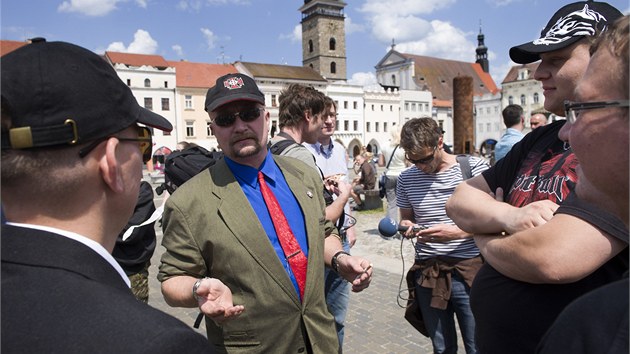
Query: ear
(440, 143)
(110, 168)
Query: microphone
(388, 227)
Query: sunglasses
(226, 120)
(571, 109)
(144, 140)
(423, 160)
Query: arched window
(522, 100)
(510, 100)
(147, 83)
(536, 98)
(311, 65)
(333, 68)
(332, 43)
(310, 46)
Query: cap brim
(225, 100)
(529, 52)
(154, 120)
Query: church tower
(324, 38)
(482, 52)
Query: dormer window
(147, 83)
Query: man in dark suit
(219, 229)
(72, 154)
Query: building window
(355, 125)
(393, 80)
(391, 108)
(274, 101)
(376, 127)
(367, 127)
(332, 43)
(385, 127)
(148, 103)
(382, 108)
(333, 68)
(536, 98)
(310, 48)
(311, 65)
(346, 125)
(407, 106)
(188, 102)
(522, 100)
(413, 107)
(480, 127)
(190, 129)
(345, 104)
(510, 100)
(166, 104)
(128, 82)
(372, 108)
(336, 125)
(165, 84)
(355, 105)
(147, 83)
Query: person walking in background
(331, 158)
(598, 321)
(254, 222)
(392, 157)
(515, 122)
(537, 120)
(72, 155)
(365, 178)
(446, 257)
(543, 246)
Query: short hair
(329, 102)
(297, 99)
(615, 39)
(512, 115)
(418, 133)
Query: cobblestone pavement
(375, 322)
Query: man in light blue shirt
(515, 123)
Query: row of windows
(148, 104)
(536, 99)
(333, 67)
(147, 83)
(488, 110)
(332, 44)
(488, 127)
(421, 107)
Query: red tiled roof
(199, 75)
(130, 59)
(436, 75)
(259, 70)
(9, 46)
(513, 73)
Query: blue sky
(268, 31)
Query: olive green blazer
(210, 229)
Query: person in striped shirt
(446, 257)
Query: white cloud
(178, 50)
(365, 79)
(142, 3)
(194, 5)
(499, 73)
(352, 27)
(89, 7)
(142, 44)
(404, 7)
(210, 37)
(293, 37)
(441, 41)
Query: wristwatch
(196, 286)
(334, 263)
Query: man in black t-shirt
(559, 246)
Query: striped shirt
(426, 195)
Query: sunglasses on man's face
(424, 160)
(144, 140)
(227, 119)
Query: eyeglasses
(571, 109)
(423, 160)
(144, 139)
(226, 120)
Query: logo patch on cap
(578, 23)
(233, 83)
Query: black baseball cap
(567, 26)
(233, 87)
(57, 93)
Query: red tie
(290, 246)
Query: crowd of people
(528, 255)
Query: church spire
(482, 51)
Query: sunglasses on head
(227, 119)
(144, 140)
